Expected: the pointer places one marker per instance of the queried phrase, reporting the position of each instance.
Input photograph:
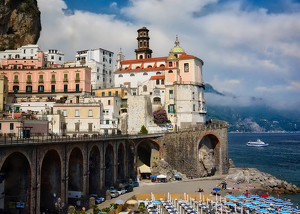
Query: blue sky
(250, 48)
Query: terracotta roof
(157, 77)
(144, 60)
(141, 69)
(185, 56)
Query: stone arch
(121, 162)
(131, 159)
(208, 154)
(94, 170)
(149, 151)
(75, 170)
(16, 176)
(51, 165)
(109, 159)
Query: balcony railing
(65, 79)
(16, 81)
(53, 80)
(28, 81)
(46, 91)
(77, 79)
(41, 80)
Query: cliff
(20, 23)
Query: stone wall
(181, 149)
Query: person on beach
(224, 184)
(246, 193)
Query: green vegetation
(143, 130)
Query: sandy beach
(189, 186)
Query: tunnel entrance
(209, 155)
(75, 182)
(15, 184)
(50, 181)
(109, 166)
(121, 166)
(94, 170)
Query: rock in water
(20, 23)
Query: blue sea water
(280, 159)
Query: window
(156, 100)
(11, 126)
(194, 107)
(103, 59)
(77, 87)
(186, 67)
(65, 113)
(41, 78)
(90, 113)
(16, 80)
(28, 78)
(41, 88)
(106, 131)
(110, 61)
(108, 102)
(98, 77)
(52, 57)
(24, 51)
(65, 77)
(170, 71)
(39, 58)
(109, 93)
(171, 94)
(120, 75)
(157, 82)
(52, 77)
(134, 92)
(76, 127)
(107, 121)
(149, 66)
(162, 81)
(59, 58)
(76, 113)
(58, 112)
(158, 73)
(28, 88)
(132, 75)
(171, 109)
(31, 51)
(116, 93)
(52, 88)
(65, 88)
(170, 64)
(145, 73)
(193, 95)
(16, 88)
(103, 94)
(145, 88)
(162, 65)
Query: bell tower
(143, 51)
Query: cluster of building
(90, 95)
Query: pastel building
(3, 92)
(101, 63)
(173, 82)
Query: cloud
(247, 52)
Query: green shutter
(169, 109)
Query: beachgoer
(284, 199)
(247, 193)
(289, 200)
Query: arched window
(170, 72)
(132, 75)
(149, 66)
(163, 81)
(120, 75)
(145, 73)
(158, 73)
(17, 56)
(126, 68)
(141, 56)
(162, 65)
(144, 88)
(156, 100)
(137, 67)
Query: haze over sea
(280, 159)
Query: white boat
(256, 143)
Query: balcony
(41, 80)
(53, 80)
(65, 80)
(16, 81)
(28, 81)
(77, 79)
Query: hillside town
(42, 94)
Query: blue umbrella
(296, 211)
(228, 196)
(256, 202)
(254, 196)
(247, 204)
(263, 210)
(156, 202)
(233, 198)
(278, 204)
(176, 175)
(248, 199)
(288, 203)
(216, 189)
(264, 205)
(284, 212)
(241, 196)
(230, 203)
(269, 202)
(153, 176)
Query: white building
(24, 52)
(101, 63)
(54, 57)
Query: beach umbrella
(278, 204)
(228, 196)
(161, 176)
(254, 196)
(176, 175)
(132, 202)
(247, 204)
(263, 210)
(287, 208)
(284, 212)
(296, 211)
(288, 203)
(256, 202)
(229, 203)
(153, 176)
(264, 205)
(271, 198)
(248, 199)
(120, 201)
(269, 202)
(156, 202)
(241, 196)
(216, 189)
(264, 196)
(234, 198)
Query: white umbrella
(161, 176)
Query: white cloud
(113, 5)
(245, 52)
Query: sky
(250, 48)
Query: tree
(144, 130)
(160, 116)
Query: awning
(145, 169)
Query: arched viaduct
(35, 172)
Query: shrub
(144, 130)
(160, 116)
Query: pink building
(17, 63)
(40, 84)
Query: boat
(256, 143)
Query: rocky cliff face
(20, 23)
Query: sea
(281, 158)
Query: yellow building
(3, 92)
(110, 92)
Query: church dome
(171, 57)
(177, 49)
